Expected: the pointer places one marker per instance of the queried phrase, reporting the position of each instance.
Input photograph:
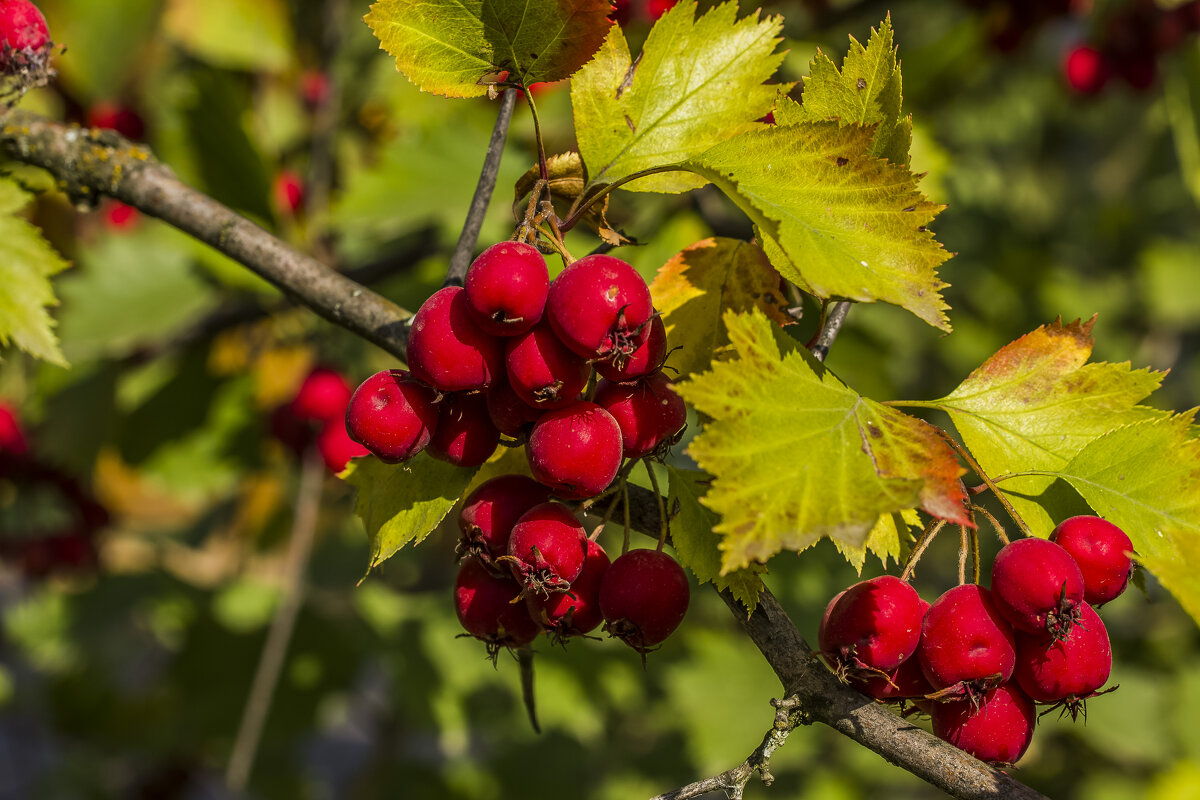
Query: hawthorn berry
(1085, 69)
(336, 446)
(542, 371)
(119, 217)
(1101, 550)
(323, 394)
(874, 625)
(966, 643)
(905, 682)
(576, 611)
(447, 350)
(509, 413)
(484, 602)
(644, 360)
(1037, 586)
(996, 728)
(648, 412)
(114, 116)
(506, 287)
(644, 596)
(599, 306)
(489, 513)
(575, 450)
(12, 437)
(392, 415)
(546, 549)
(465, 435)
(24, 35)
(1069, 669)
(288, 192)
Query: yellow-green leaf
(27, 261)
(694, 289)
(796, 455)
(888, 539)
(696, 83)
(456, 47)
(236, 34)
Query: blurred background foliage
(124, 668)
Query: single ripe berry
(643, 597)
(465, 435)
(506, 287)
(447, 350)
(648, 412)
(336, 446)
(965, 641)
(543, 371)
(1086, 69)
(996, 728)
(546, 549)
(119, 217)
(576, 611)
(645, 359)
(484, 603)
(575, 450)
(113, 116)
(392, 415)
(599, 306)
(24, 35)
(323, 395)
(510, 414)
(874, 625)
(1070, 669)
(489, 513)
(1037, 586)
(288, 192)
(1101, 550)
(12, 437)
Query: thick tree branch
(88, 163)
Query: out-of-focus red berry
(288, 191)
(113, 116)
(1085, 69)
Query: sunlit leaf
(887, 540)
(27, 261)
(235, 34)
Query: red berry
(295, 434)
(1085, 69)
(1071, 669)
(506, 288)
(543, 371)
(643, 597)
(392, 415)
(648, 412)
(599, 307)
(547, 548)
(484, 603)
(115, 117)
(24, 35)
(656, 8)
(12, 437)
(576, 611)
(489, 513)
(996, 728)
(289, 192)
(336, 446)
(465, 435)
(447, 350)
(323, 395)
(1101, 550)
(965, 642)
(314, 88)
(905, 682)
(1037, 586)
(873, 625)
(644, 360)
(575, 450)
(120, 217)
(512, 415)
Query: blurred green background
(127, 678)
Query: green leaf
(697, 82)
(866, 92)
(697, 544)
(694, 289)
(886, 540)
(1145, 478)
(402, 503)
(456, 47)
(27, 262)
(796, 455)
(833, 218)
(1036, 403)
(233, 34)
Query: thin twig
(978, 470)
(923, 542)
(465, 248)
(525, 662)
(829, 330)
(270, 663)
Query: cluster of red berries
(48, 520)
(510, 353)
(24, 41)
(977, 661)
(529, 567)
(316, 416)
(1129, 46)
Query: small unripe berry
(643, 597)
(447, 350)
(1101, 550)
(506, 287)
(392, 415)
(575, 450)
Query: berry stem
(665, 524)
(1000, 532)
(978, 470)
(930, 531)
(543, 168)
(964, 549)
(525, 662)
(483, 193)
(580, 207)
(625, 496)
